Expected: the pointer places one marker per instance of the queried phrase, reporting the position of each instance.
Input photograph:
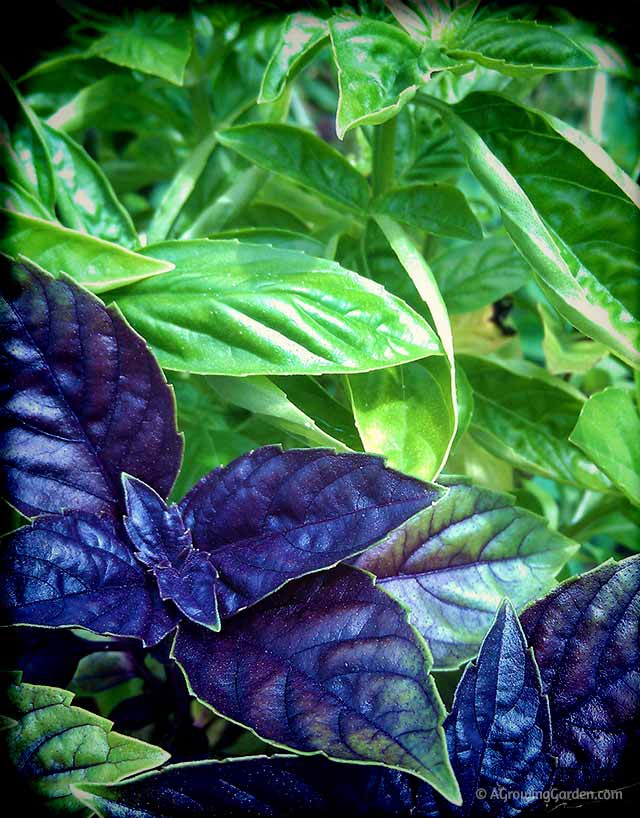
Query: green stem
(383, 170)
(229, 205)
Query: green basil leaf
(262, 397)
(96, 264)
(608, 431)
(520, 48)
(326, 402)
(436, 208)
(566, 351)
(277, 237)
(524, 416)
(302, 157)
(17, 198)
(474, 274)
(148, 41)
(214, 433)
(377, 70)
(85, 196)
(406, 414)
(302, 36)
(571, 214)
(245, 309)
(54, 745)
(443, 373)
(24, 154)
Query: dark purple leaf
(585, 638)
(76, 570)
(185, 576)
(271, 516)
(275, 787)
(327, 664)
(499, 730)
(83, 399)
(45, 657)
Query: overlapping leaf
(149, 41)
(271, 516)
(437, 208)
(570, 211)
(330, 665)
(85, 196)
(95, 263)
(452, 564)
(54, 745)
(302, 157)
(283, 786)
(78, 570)
(163, 544)
(520, 48)
(83, 400)
(608, 431)
(524, 416)
(585, 639)
(302, 36)
(238, 309)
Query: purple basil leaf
(453, 564)
(499, 729)
(77, 570)
(275, 787)
(185, 576)
(271, 516)
(45, 657)
(83, 399)
(585, 638)
(327, 664)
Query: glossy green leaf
(262, 397)
(473, 274)
(148, 41)
(443, 373)
(377, 70)
(452, 564)
(570, 212)
(302, 36)
(277, 237)
(85, 197)
(405, 413)
(55, 745)
(520, 48)
(92, 262)
(436, 208)
(23, 154)
(17, 198)
(302, 157)
(566, 351)
(239, 309)
(524, 416)
(608, 431)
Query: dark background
(32, 29)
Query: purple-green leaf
(77, 570)
(328, 664)
(454, 562)
(83, 400)
(272, 516)
(163, 543)
(585, 639)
